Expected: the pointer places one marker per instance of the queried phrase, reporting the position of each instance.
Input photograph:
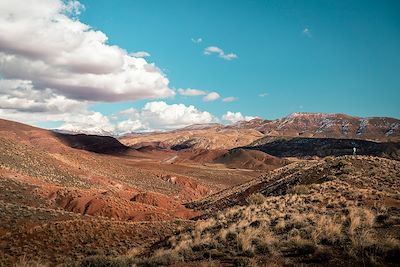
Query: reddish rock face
(330, 126)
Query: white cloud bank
(20, 101)
(233, 117)
(216, 50)
(159, 115)
(52, 67)
(41, 41)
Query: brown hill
(250, 159)
(367, 170)
(93, 143)
(213, 137)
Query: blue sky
(348, 60)
(112, 67)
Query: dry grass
(299, 189)
(352, 219)
(272, 233)
(340, 220)
(256, 199)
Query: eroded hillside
(335, 211)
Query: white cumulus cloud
(211, 97)
(92, 123)
(191, 92)
(158, 115)
(233, 117)
(42, 41)
(216, 50)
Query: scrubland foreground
(334, 211)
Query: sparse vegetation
(315, 223)
(256, 199)
(309, 212)
(284, 226)
(299, 189)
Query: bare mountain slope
(212, 137)
(321, 125)
(93, 143)
(250, 159)
(329, 126)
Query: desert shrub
(298, 246)
(159, 260)
(23, 262)
(382, 218)
(346, 170)
(331, 177)
(242, 261)
(102, 261)
(327, 231)
(321, 255)
(202, 226)
(262, 247)
(256, 199)
(343, 163)
(305, 248)
(299, 189)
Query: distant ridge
(298, 124)
(327, 125)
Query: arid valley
(204, 194)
